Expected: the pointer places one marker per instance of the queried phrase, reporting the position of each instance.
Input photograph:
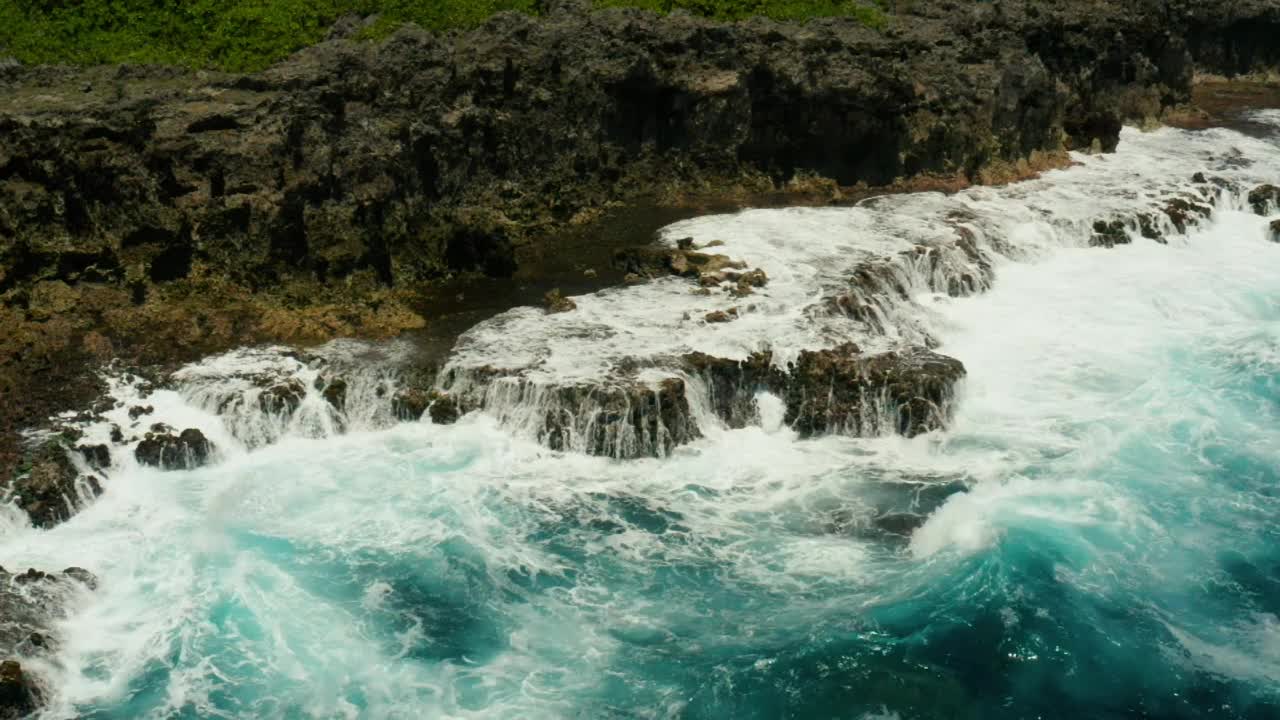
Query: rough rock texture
(443, 410)
(1274, 231)
(837, 391)
(1265, 199)
(48, 487)
(409, 404)
(619, 418)
(842, 391)
(30, 605)
(167, 451)
(429, 154)
(731, 385)
(147, 213)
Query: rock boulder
(167, 451)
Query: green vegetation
(243, 35)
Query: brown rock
(50, 487)
(410, 403)
(444, 410)
(555, 302)
(1265, 199)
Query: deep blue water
(1097, 536)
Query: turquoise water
(1101, 542)
(1095, 537)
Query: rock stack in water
(164, 449)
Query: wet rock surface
(837, 391)
(49, 487)
(843, 391)
(834, 391)
(444, 410)
(166, 450)
(409, 404)
(619, 417)
(1265, 199)
(158, 213)
(31, 603)
(19, 697)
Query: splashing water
(1095, 536)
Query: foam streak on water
(1095, 536)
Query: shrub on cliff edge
(245, 35)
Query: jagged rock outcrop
(429, 154)
(835, 391)
(840, 390)
(1265, 199)
(165, 213)
(614, 417)
(49, 487)
(30, 605)
(164, 449)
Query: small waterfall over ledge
(632, 371)
(1103, 486)
(831, 312)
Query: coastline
(154, 216)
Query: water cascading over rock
(31, 604)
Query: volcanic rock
(49, 488)
(31, 604)
(1265, 199)
(843, 391)
(184, 451)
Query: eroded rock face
(409, 404)
(31, 603)
(615, 417)
(837, 391)
(444, 410)
(843, 391)
(49, 488)
(162, 212)
(731, 385)
(1265, 199)
(432, 154)
(167, 451)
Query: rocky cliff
(156, 214)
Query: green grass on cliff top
(246, 35)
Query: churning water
(1097, 535)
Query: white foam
(810, 255)
(204, 573)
